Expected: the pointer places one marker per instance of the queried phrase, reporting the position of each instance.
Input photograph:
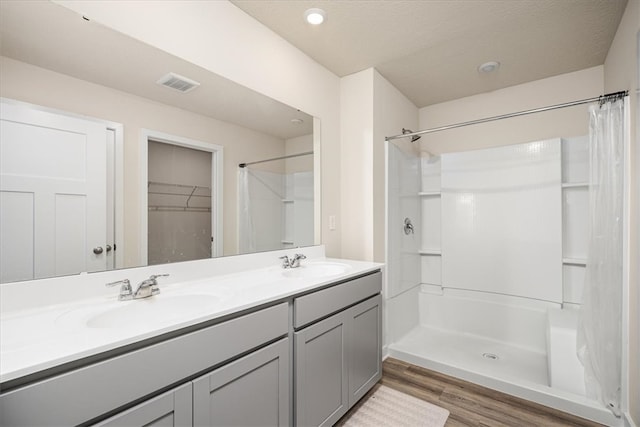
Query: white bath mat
(388, 407)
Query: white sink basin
(316, 270)
(156, 310)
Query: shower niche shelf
(574, 261)
(575, 208)
(430, 252)
(575, 185)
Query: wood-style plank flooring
(469, 404)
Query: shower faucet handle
(408, 227)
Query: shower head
(414, 138)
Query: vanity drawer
(320, 304)
(88, 392)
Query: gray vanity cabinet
(235, 372)
(337, 358)
(365, 347)
(321, 372)
(171, 409)
(252, 391)
(143, 373)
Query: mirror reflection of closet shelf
(180, 197)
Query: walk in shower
(492, 245)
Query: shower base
(497, 365)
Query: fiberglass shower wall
(500, 243)
(403, 204)
(507, 220)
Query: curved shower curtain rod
(602, 99)
(244, 165)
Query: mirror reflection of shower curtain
(275, 210)
(600, 328)
(246, 235)
(262, 210)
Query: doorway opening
(181, 199)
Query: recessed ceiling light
(315, 16)
(297, 121)
(489, 67)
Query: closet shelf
(287, 201)
(430, 193)
(169, 189)
(174, 208)
(179, 190)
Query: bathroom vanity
(268, 346)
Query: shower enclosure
(487, 282)
(276, 203)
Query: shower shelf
(429, 193)
(574, 261)
(574, 184)
(427, 252)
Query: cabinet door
(252, 391)
(170, 409)
(365, 347)
(321, 372)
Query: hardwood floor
(469, 404)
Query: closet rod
(244, 165)
(602, 98)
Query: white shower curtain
(246, 234)
(599, 332)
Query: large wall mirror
(116, 154)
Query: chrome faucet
(148, 287)
(125, 290)
(295, 262)
(292, 262)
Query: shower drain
(490, 356)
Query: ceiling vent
(178, 82)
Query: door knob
(108, 248)
(98, 250)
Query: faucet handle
(155, 290)
(295, 262)
(125, 290)
(285, 261)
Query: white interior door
(53, 194)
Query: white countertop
(33, 339)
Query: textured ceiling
(430, 49)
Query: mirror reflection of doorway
(179, 199)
